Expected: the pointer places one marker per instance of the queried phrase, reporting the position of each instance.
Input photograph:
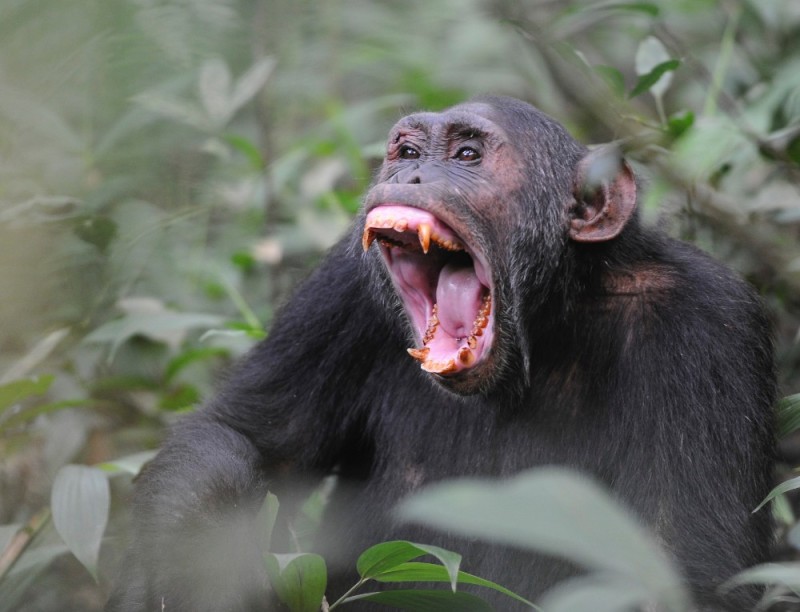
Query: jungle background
(169, 169)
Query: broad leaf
(130, 464)
(650, 57)
(430, 572)
(265, 521)
(251, 82)
(80, 502)
(165, 326)
(650, 81)
(214, 87)
(388, 555)
(613, 77)
(298, 580)
(17, 390)
(785, 574)
(557, 512)
(598, 593)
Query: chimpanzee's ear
(605, 196)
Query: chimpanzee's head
(474, 212)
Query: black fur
(638, 360)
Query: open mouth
(443, 283)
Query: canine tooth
(440, 367)
(466, 356)
(367, 238)
(472, 341)
(401, 225)
(424, 234)
(420, 354)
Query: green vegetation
(170, 168)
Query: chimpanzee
(497, 305)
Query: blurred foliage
(170, 168)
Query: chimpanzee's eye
(408, 152)
(467, 154)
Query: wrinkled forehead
(471, 116)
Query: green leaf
(265, 521)
(179, 398)
(299, 580)
(15, 391)
(80, 502)
(612, 77)
(131, 464)
(96, 230)
(191, 356)
(637, 7)
(556, 512)
(425, 601)
(430, 572)
(388, 555)
(246, 148)
(784, 487)
(649, 80)
(678, 123)
(788, 410)
(164, 326)
(27, 415)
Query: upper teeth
(425, 234)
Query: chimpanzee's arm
(283, 415)
(701, 395)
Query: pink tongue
(458, 296)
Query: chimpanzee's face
(442, 205)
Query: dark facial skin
(460, 166)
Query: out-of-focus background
(170, 168)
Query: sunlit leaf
(80, 501)
(298, 580)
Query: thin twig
(22, 539)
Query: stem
(349, 592)
(22, 540)
(725, 52)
